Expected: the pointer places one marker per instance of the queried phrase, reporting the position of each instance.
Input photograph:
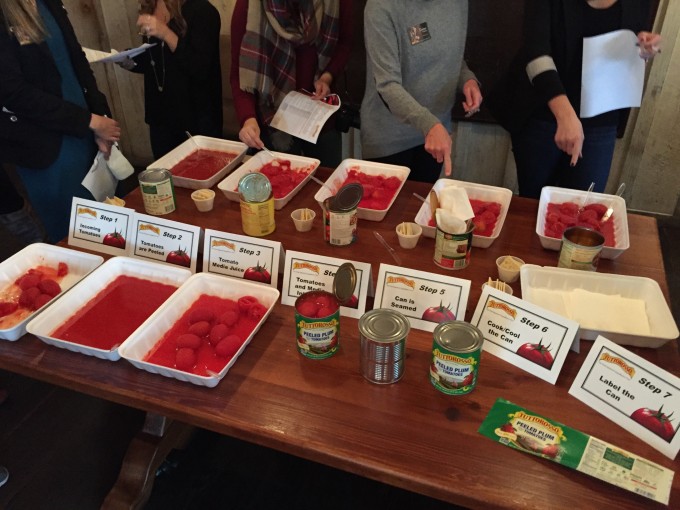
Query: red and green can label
(453, 373)
(317, 338)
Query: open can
(581, 248)
(317, 315)
(257, 205)
(452, 251)
(340, 215)
(158, 192)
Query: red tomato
(550, 450)
(538, 353)
(257, 311)
(245, 302)
(656, 421)
(179, 257)
(508, 428)
(114, 239)
(258, 274)
(7, 307)
(439, 313)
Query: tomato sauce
(202, 164)
(379, 190)
(239, 318)
(114, 313)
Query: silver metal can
(456, 352)
(157, 190)
(581, 248)
(383, 334)
(340, 218)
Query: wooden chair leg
(145, 454)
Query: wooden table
(405, 434)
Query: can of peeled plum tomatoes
(317, 315)
(581, 248)
(456, 351)
(257, 205)
(157, 190)
(340, 218)
(452, 251)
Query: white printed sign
(525, 335)
(632, 392)
(100, 227)
(162, 240)
(239, 256)
(304, 272)
(425, 298)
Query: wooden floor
(64, 450)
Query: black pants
(424, 167)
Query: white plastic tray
(661, 323)
(38, 254)
(560, 195)
(203, 142)
(142, 341)
(229, 185)
(89, 288)
(334, 182)
(477, 192)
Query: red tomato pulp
(114, 313)
(202, 164)
(561, 216)
(379, 190)
(214, 320)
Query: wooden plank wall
(647, 158)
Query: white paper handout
(613, 73)
(95, 56)
(302, 116)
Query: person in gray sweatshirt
(414, 68)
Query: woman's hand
(569, 135)
(106, 132)
(438, 143)
(322, 86)
(650, 44)
(250, 134)
(473, 97)
(152, 26)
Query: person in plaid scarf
(284, 45)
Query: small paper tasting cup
(408, 234)
(508, 268)
(204, 199)
(303, 219)
(500, 286)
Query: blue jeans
(540, 163)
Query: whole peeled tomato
(439, 313)
(538, 353)
(114, 239)
(656, 421)
(353, 302)
(258, 274)
(179, 257)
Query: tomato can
(340, 219)
(383, 333)
(452, 251)
(456, 352)
(317, 315)
(581, 248)
(257, 205)
(158, 192)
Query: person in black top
(539, 99)
(182, 75)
